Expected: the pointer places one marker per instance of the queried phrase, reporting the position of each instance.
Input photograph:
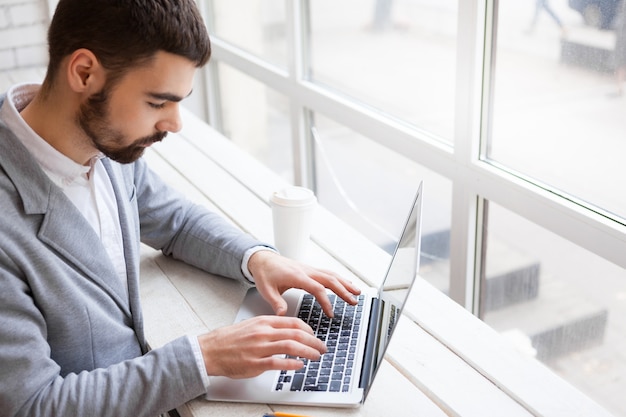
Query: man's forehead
(166, 76)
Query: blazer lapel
(63, 227)
(66, 231)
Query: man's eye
(157, 105)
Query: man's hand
(248, 348)
(274, 274)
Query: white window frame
(473, 180)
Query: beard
(93, 118)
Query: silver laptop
(357, 337)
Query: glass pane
(372, 188)
(398, 56)
(257, 26)
(256, 118)
(558, 302)
(557, 116)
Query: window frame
(474, 180)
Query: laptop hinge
(371, 344)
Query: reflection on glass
(256, 118)
(370, 188)
(399, 57)
(258, 26)
(557, 302)
(557, 114)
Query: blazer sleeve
(32, 383)
(187, 231)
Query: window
(556, 117)
(568, 304)
(255, 117)
(509, 118)
(258, 28)
(367, 50)
(372, 188)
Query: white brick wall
(23, 27)
(4, 18)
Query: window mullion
(303, 155)
(466, 228)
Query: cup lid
(294, 196)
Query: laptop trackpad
(255, 305)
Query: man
(77, 199)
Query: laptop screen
(394, 290)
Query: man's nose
(172, 122)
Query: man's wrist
(245, 263)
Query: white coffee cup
(293, 209)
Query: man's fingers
(283, 363)
(259, 344)
(278, 303)
(341, 287)
(312, 351)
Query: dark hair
(124, 34)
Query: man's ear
(85, 74)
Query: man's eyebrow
(168, 96)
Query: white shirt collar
(61, 169)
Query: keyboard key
(296, 384)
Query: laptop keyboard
(334, 371)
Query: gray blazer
(71, 342)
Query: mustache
(149, 140)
